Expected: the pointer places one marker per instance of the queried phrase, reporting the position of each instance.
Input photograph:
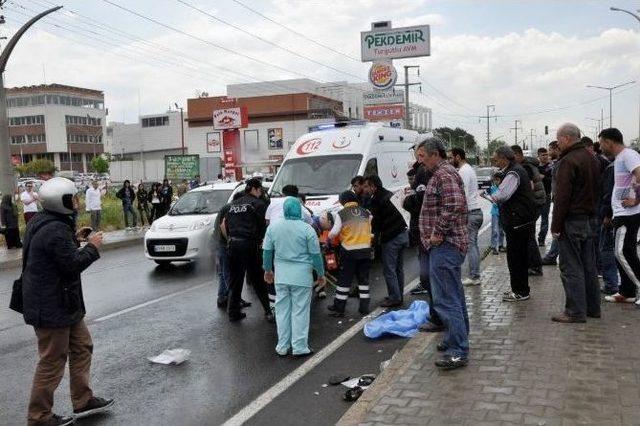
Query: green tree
(38, 167)
(457, 137)
(487, 153)
(99, 165)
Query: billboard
(275, 138)
(179, 167)
(230, 118)
(379, 97)
(214, 142)
(383, 112)
(382, 75)
(395, 43)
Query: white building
(421, 117)
(64, 124)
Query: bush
(38, 167)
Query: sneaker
(495, 251)
(449, 362)
(535, 272)
(94, 406)
(418, 290)
(566, 319)
(471, 281)
(548, 262)
(638, 302)
(514, 297)
(618, 298)
(608, 292)
(441, 347)
(244, 304)
(57, 420)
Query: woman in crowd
(143, 204)
(166, 199)
(9, 221)
(155, 198)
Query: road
(137, 310)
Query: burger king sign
(382, 75)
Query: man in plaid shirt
(443, 233)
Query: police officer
(245, 227)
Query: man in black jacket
(390, 231)
(54, 305)
(127, 195)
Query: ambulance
(323, 162)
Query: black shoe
(419, 289)
(495, 251)
(441, 347)
(94, 406)
(548, 262)
(270, 318)
(449, 362)
(598, 315)
(430, 327)
(535, 272)
(336, 314)
(237, 317)
(57, 420)
(244, 304)
(222, 303)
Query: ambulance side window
(371, 168)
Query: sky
(532, 59)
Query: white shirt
(26, 197)
(275, 211)
(470, 181)
(624, 182)
(93, 199)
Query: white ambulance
(322, 163)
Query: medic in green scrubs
(297, 254)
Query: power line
(299, 34)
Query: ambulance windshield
(322, 175)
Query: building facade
(64, 124)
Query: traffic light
(546, 130)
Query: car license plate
(165, 248)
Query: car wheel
(163, 262)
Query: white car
(185, 233)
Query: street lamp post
(181, 124)
(6, 171)
(611, 89)
(615, 9)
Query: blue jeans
(544, 221)
(474, 222)
(128, 210)
(497, 234)
(425, 265)
(224, 276)
(445, 262)
(608, 258)
(392, 265)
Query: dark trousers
(626, 251)
(28, 216)
(143, 210)
(425, 282)
(55, 345)
(535, 260)
(518, 256)
(12, 236)
(351, 267)
(544, 220)
(244, 258)
(578, 268)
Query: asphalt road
(137, 310)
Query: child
(497, 235)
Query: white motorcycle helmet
(56, 195)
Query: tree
(38, 167)
(457, 137)
(487, 153)
(99, 165)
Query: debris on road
(171, 357)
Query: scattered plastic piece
(171, 357)
(339, 322)
(402, 323)
(336, 380)
(325, 385)
(316, 393)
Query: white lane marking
(150, 302)
(270, 394)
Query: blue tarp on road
(402, 323)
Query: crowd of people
(278, 246)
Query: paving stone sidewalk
(524, 369)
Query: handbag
(16, 302)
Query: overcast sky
(532, 59)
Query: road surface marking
(270, 394)
(150, 302)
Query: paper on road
(171, 357)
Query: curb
(16, 263)
(398, 365)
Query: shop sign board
(395, 43)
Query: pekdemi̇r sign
(395, 43)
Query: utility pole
(611, 89)
(7, 180)
(181, 124)
(406, 86)
(488, 117)
(531, 141)
(515, 127)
